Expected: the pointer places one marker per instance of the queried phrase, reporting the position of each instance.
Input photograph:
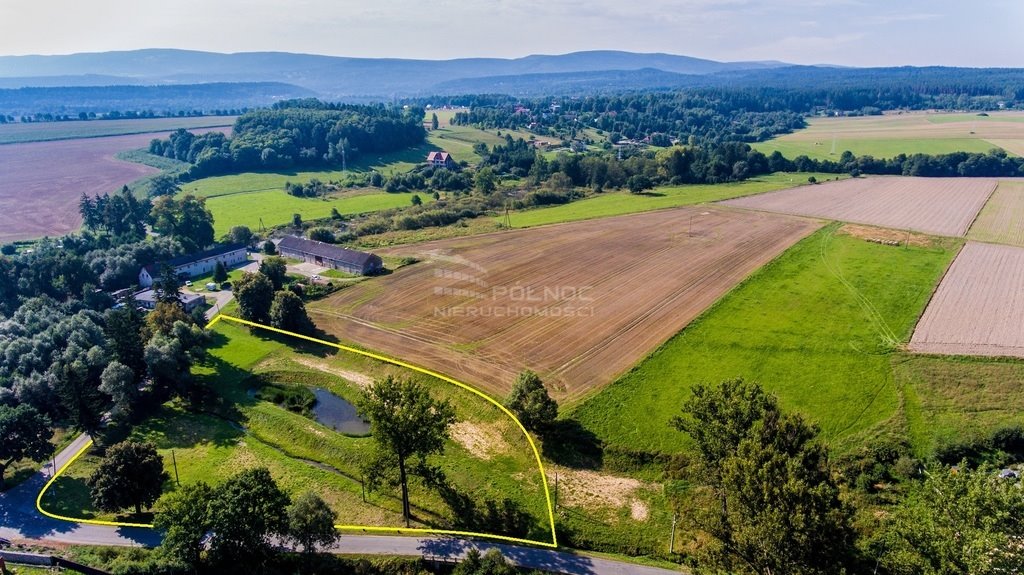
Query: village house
(440, 159)
(330, 256)
(194, 265)
(147, 299)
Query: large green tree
(124, 327)
(289, 313)
(130, 475)
(183, 517)
(187, 219)
(956, 521)
(255, 295)
(80, 396)
(276, 270)
(244, 513)
(764, 495)
(530, 401)
(405, 422)
(26, 435)
(163, 185)
(311, 522)
(118, 381)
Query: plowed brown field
(978, 309)
(578, 303)
(940, 206)
(41, 182)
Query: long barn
(330, 256)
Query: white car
(188, 283)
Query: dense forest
(296, 133)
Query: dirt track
(579, 303)
(940, 206)
(978, 308)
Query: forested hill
(73, 100)
(337, 77)
(296, 133)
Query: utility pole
(556, 491)
(672, 538)
(174, 460)
(362, 486)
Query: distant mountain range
(346, 78)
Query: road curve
(21, 521)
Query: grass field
(1001, 221)
(618, 203)
(48, 131)
(889, 135)
(952, 400)
(275, 207)
(817, 327)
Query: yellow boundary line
(364, 528)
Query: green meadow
(276, 207)
(819, 327)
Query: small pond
(338, 414)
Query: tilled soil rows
(940, 206)
(978, 309)
(578, 303)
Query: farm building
(147, 299)
(196, 264)
(330, 256)
(440, 159)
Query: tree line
(296, 133)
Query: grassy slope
(210, 448)
(619, 203)
(275, 207)
(814, 327)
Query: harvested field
(41, 182)
(578, 303)
(1001, 221)
(940, 206)
(978, 308)
(891, 134)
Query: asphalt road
(20, 521)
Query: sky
(843, 32)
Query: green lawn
(618, 203)
(275, 207)
(887, 148)
(817, 327)
(459, 141)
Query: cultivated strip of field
(49, 131)
(619, 203)
(817, 326)
(1001, 221)
(978, 308)
(889, 135)
(578, 303)
(940, 206)
(41, 182)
